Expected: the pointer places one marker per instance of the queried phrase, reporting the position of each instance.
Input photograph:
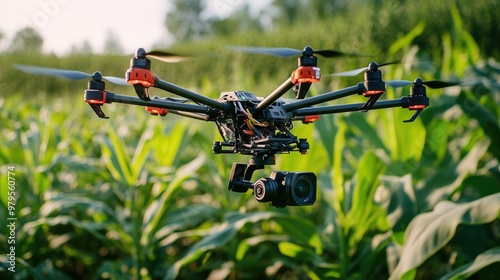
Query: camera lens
(265, 189)
(302, 187)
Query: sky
(67, 23)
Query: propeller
(431, 84)
(288, 52)
(67, 74)
(372, 66)
(418, 100)
(161, 55)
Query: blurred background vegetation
(142, 197)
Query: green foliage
(140, 197)
(483, 260)
(429, 232)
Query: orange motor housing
(141, 76)
(306, 74)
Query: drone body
(265, 133)
(248, 125)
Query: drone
(250, 125)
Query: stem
(136, 227)
(344, 247)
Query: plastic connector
(310, 119)
(155, 111)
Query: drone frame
(249, 125)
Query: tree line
(380, 22)
(383, 20)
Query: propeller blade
(67, 74)
(166, 56)
(281, 52)
(398, 83)
(287, 52)
(333, 53)
(45, 71)
(116, 80)
(358, 71)
(350, 73)
(389, 63)
(440, 84)
(431, 84)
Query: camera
(286, 189)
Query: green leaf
(467, 45)
(293, 250)
(41, 182)
(301, 231)
(141, 153)
(407, 39)
(59, 203)
(220, 235)
(327, 129)
(449, 176)
(481, 261)
(116, 158)
(367, 130)
(245, 244)
(372, 252)
(169, 143)
(91, 227)
(155, 212)
(21, 265)
(363, 212)
(410, 138)
(303, 257)
(429, 232)
(399, 195)
(339, 144)
(488, 121)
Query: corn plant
(136, 197)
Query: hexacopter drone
(259, 127)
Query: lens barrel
(265, 189)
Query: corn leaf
(481, 261)
(429, 232)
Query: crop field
(143, 197)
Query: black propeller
(161, 55)
(431, 84)
(371, 66)
(288, 52)
(67, 74)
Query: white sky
(66, 23)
